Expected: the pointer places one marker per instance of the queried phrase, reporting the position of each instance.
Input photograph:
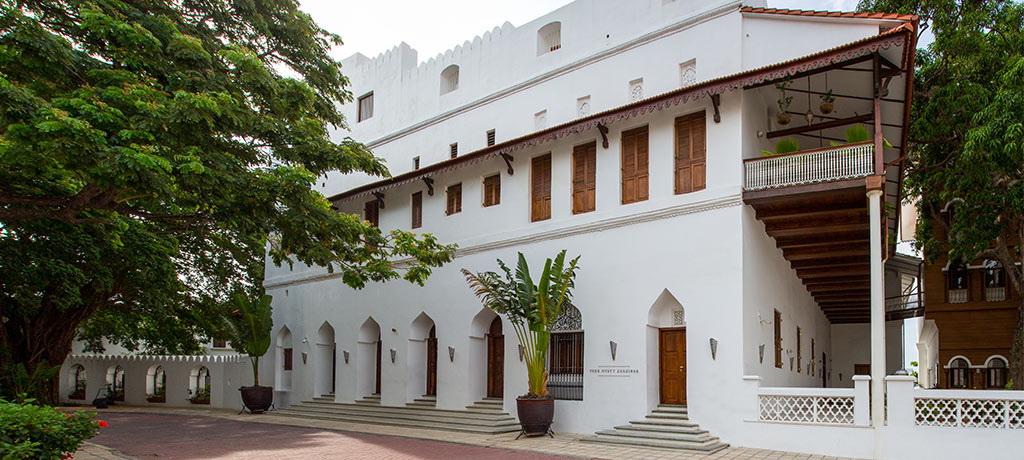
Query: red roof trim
(831, 14)
(897, 36)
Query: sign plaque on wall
(614, 371)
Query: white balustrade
(830, 406)
(845, 162)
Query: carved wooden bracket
(430, 185)
(380, 199)
(716, 100)
(604, 134)
(508, 162)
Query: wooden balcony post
(876, 76)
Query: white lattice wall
(812, 409)
(976, 413)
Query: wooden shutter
(778, 339)
(287, 352)
(634, 165)
(584, 177)
(371, 212)
(540, 190)
(417, 210)
(691, 153)
(454, 196)
(492, 190)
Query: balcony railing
(809, 166)
(904, 306)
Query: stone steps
(488, 405)
(425, 401)
(667, 427)
(373, 400)
(412, 416)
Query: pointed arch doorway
(432, 362)
(667, 374)
(495, 360)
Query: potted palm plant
(532, 309)
(248, 328)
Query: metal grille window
(565, 356)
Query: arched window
(996, 373)
(115, 383)
(957, 281)
(77, 382)
(199, 386)
(565, 355)
(995, 282)
(549, 38)
(449, 79)
(156, 384)
(959, 375)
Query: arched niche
(369, 358)
(283, 359)
(325, 361)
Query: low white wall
(227, 374)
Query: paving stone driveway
(147, 435)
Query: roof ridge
(831, 14)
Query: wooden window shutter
(492, 190)
(454, 196)
(634, 165)
(540, 190)
(417, 210)
(778, 339)
(371, 212)
(584, 177)
(287, 352)
(691, 153)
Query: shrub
(30, 431)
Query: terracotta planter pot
(257, 399)
(535, 415)
(783, 118)
(827, 107)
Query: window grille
(565, 356)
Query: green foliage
(784, 101)
(531, 308)
(827, 96)
(153, 154)
(30, 431)
(248, 328)
(16, 381)
(857, 133)
(966, 138)
(784, 145)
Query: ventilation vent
(454, 148)
(490, 138)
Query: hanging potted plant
(827, 102)
(532, 309)
(248, 328)
(783, 118)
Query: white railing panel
(808, 409)
(846, 162)
(969, 408)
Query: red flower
(102, 424)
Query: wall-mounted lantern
(714, 348)
(345, 353)
(304, 356)
(451, 354)
(520, 353)
(394, 354)
(614, 346)
(760, 352)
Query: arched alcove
(199, 391)
(486, 355)
(156, 384)
(449, 79)
(368, 362)
(115, 383)
(666, 351)
(77, 377)
(283, 359)
(326, 360)
(421, 360)
(549, 38)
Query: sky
(429, 27)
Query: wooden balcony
(809, 167)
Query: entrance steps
(369, 410)
(424, 401)
(488, 406)
(668, 426)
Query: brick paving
(220, 434)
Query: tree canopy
(154, 155)
(966, 140)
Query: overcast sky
(430, 27)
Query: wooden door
(376, 386)
(432, 363)
(495, 360)
(824, 370)
(672, 350)
(334, 367)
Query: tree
(966, 142)
(154, 156)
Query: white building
(631, 133)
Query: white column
(877, 319)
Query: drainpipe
(875, 186)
